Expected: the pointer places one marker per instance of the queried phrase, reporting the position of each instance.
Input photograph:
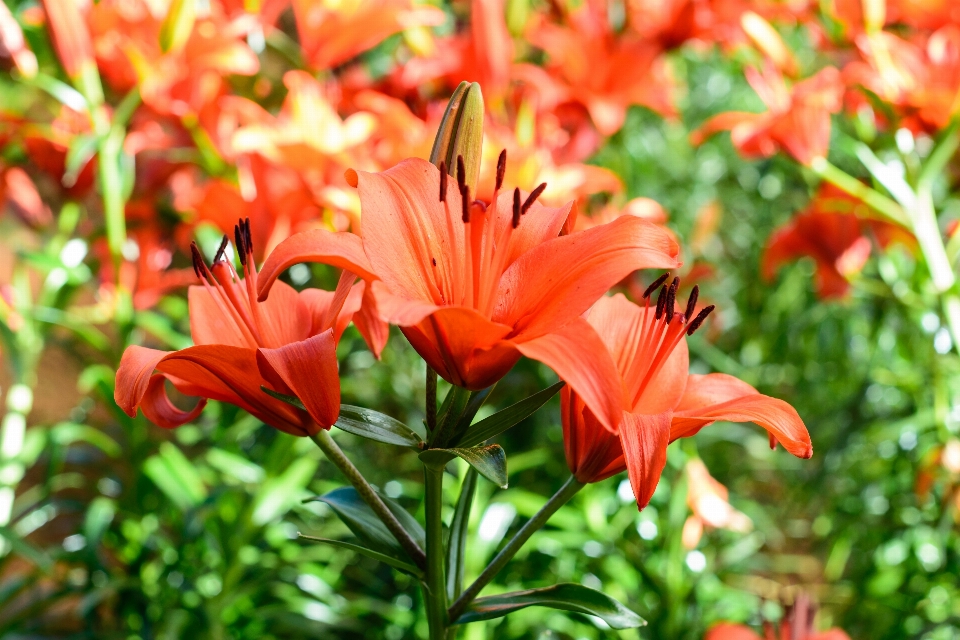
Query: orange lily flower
(709, 502)
(334, 32)
(474, 287)
(797, 119)
(921, 79)
(47, 146)
(830, 232)
(19, 195)
(796, 625)
(70, 37)
(14, 51)
(589, 64)
(661, 400)
(287, 344)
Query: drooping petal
(718, 396)
(309, 369)
(343, 250)
(645, 439)
(577, 354)
(411, 241)
(133, 376)
(560, 279)
(159, 410)
(375, 331)
(397, 309)
(593, 453)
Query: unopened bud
(177, 26)
(768, 41)
(461, 133)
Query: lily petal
(718, 396)
(727, 631)
(577, 354)
(309, 369)
(645, 439)
(558, 280)
(134, 376)
(375, 331)
(343, 250)
(158, 408)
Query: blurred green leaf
(175, 475)
(565, 596)
(67, 433)
(26, 549)
(277, 495)
(459, 527)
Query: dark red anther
(461, 174)
(656, 285)
(516, 208)
(671, 303)
(223, 246)
(661, 301)
(533, 197)
(199, 266)
(443, 181)
(693, 326)
(501, 168)
(238, 241)
(465, 201)
(692, 302)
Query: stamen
(671, 303)
(661, 299)
(223, 245)
(692, 302)
(464, 199)
(461, 174)
(516, 208)
(199, 265)
(656, 285)
(247, 236)
(693, 326)
(443, 181)
(533, 197)
(238, 241)
(501, 169)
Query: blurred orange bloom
(333, 32)
(830, 232)
(922, 80)
(287, 344)
(797, 119)
(797, 624)
(47, 145)
(662, 401)
(588, 63)
(709, 502)
(19, 196)
(14, 51)
(474, 287)
(70, 37)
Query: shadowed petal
(134, 376)
(645, 439)
(718, 396)
(725, 631)
(343, 250)
(559, 280)
(578, 356)
(159, 410)
(309, 369)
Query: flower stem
(880, 203)
(431, 405)
(560, 498)
(435, 592)
(336, 456)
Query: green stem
(111, 187)
(369, 495)
(431, 404)
(560, 498)
(435, 592)
(887, 207)
(927, 231)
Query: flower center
(653, 339)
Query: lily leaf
(502, 420)
(374, 425)
(396, 563)
(489, 461)
(364, 523)
(566, 596)
(457, 546)
(291, 400)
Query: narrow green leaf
(489, 461)
(292, 400)
(364, 523)
(67, 433)
(456, 548)
(565, 596)
(502, 420)
(277, 495)
(174, 474)
(396, 563)
(451, 411)
(25, 549)
(374, 425)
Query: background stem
(560, 498)
(369, 495)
